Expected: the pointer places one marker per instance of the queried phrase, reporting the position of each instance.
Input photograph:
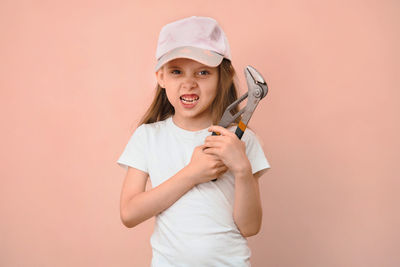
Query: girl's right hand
(204, 167)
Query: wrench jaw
(255, 82)
(257, 89)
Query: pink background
(76, 76)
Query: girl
(198, 222)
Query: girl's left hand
(229, 148)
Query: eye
(175, 71)
(205, 72)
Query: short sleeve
(254, 152)
(134, 154)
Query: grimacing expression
(190, 87)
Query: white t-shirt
(198, 229)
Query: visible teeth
(189, 100)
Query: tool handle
(240, 129)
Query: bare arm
(247, 211)
(138, 205)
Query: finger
(212, 157)
(214, 144)
(219, 129)
(214, 138)
(220, 164)
(212, 151)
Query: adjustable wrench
(257, 89)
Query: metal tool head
(228, 117)
(257, 89)
(255, 82)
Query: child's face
(190, 87)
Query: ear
(160, 77)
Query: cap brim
(204, 56)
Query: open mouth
(189, 99)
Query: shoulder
(154, 128)
(139, 132)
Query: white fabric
(194, 31)
(197, 31)
(198, 229)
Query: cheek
(212, 88)
(170, 96)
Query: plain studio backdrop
(76, 77)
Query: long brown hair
(161, 108)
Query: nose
(189, 82)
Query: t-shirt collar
(186, 133)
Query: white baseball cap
(197, 38)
